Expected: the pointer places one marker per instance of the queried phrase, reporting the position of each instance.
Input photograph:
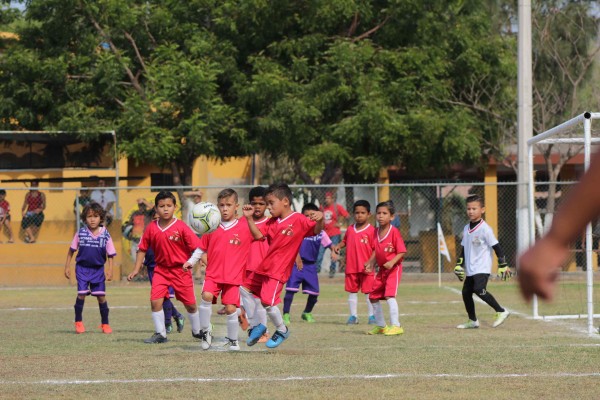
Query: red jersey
(330, 218)
(172, 245)
(285, 237)
(388, 247)
(258, 248)
(359, 247)
(5, 208)
(227, 250)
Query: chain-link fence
(419, 208)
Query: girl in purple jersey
(93, 245)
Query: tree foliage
(339, 88)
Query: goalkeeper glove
(459, 271)
(504, 271)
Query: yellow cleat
(393, 330)
(378, 330)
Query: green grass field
(42, 357)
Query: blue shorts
(151, 274)
(90, 280)
(308, 277)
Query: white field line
(64, 382)
(571, 326)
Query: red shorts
(386, 284)
(269, 289)
(361, 281)
(230, 294)
(253, 282)
(181, 281)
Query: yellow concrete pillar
(491, 205)
(200, 172)
(384, 191)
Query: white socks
(276, 319)
(249, 305)
(195, 321)
(205, 314)
(378, 312)
(158, 317)
(260, 313)
(393, 304)
(353, 303)
(232, 326)
(369, 305)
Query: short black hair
(475, 198)
(362, 203)
(258, 191)
(2, 191)
(225, 193)
(389, 205)
(281, 191)
(96, 209)
(165, 194)
(309, 206)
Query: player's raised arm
(317, 216)
(248, 210)
(539, 266)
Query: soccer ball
(204, 217)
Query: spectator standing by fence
(106, 198)
(334, 216)
(33, 212)
(5, 215)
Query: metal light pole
(525, 116)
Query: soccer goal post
(576, 134)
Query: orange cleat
(79, 328)
(243, 320)
(264, 338)
(106, 328)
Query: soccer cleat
(372, 320)
(377, 330)
(352, 320)
(243, 320)
(79, 328)
(264, 338)
(469, 325)
(500, 318)
(169, 328)
(306, 316)
(206, 338)
(255, 334)
(278, 338)
(156, 338)
(286, 318)
(232, 345)
(106, 328)
(180, 321)
(393, 331)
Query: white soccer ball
(204, 217)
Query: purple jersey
(309, 250)
(92, 250)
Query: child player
(358, 242)
(226, 252)
(476, 261)
(173, 242)
(305, 271)
(5, 215)
(93, 245)
(255, 312)
(389, 250)
(285, 232)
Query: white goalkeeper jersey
(478, 243)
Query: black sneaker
(199, 335)
(156, 338)
(180, 321)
